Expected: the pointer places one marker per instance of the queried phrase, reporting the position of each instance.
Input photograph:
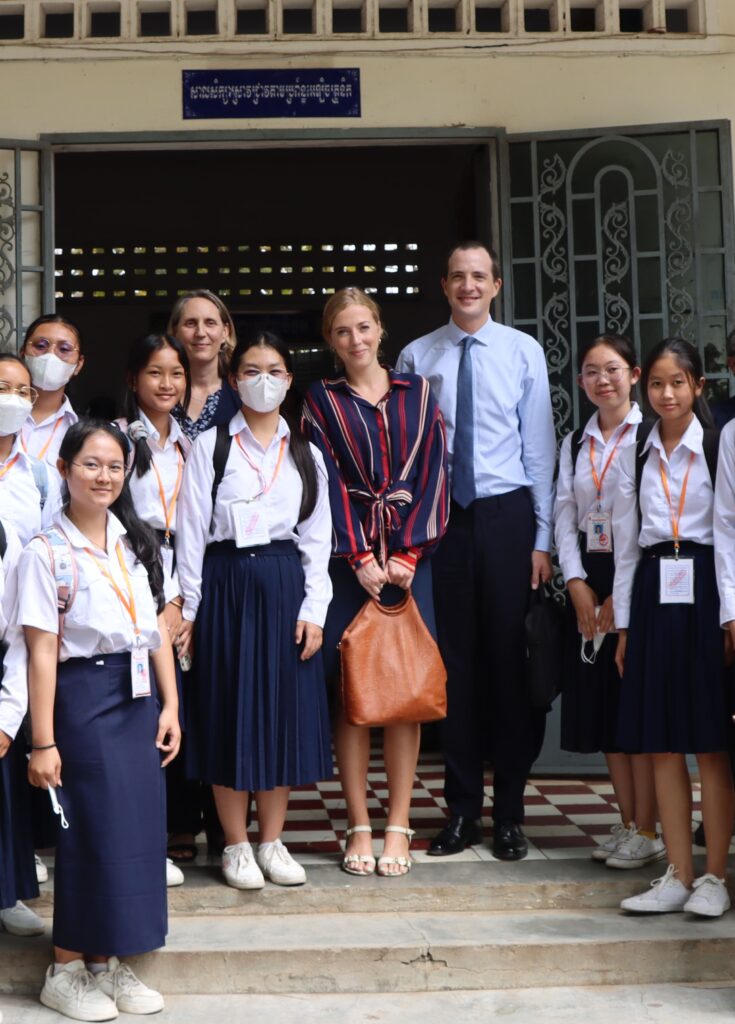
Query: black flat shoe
(457, 835)
(509, 842)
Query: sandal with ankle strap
(404, 863)
(351, 860)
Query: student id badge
(599, 532)
(676, 581)
(140, 671)
(249, 524)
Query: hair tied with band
(138, 431)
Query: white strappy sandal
(350, 861)
(404, 863)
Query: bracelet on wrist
(177, 602)
(47, 746)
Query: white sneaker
(127, 992)
(709, 898)
(239, 867)
(665, 896)
(41, 870)
(636, 850)
(607, 847)
(278, 865)
(21, 920)
(174, 874)
(74, 993)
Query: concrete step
(439, 886)
(654, 1004)
(413, 952)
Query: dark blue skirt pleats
(110, 878)
(257, 715)
(590, 693)
(674, 696)
(17, 866)
(350, 596)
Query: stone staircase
(536, 940)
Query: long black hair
(138, 358)
(689, 361)
(142, 539)
(291, 412)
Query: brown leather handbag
(392, 671)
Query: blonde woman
(382, 437)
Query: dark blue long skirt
(110, 878)
(17, 866)
(590, 693)
(350, 596)
(673, 695)
(257, 715)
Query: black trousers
(482, 573)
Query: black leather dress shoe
(457, 835)
(509, 842)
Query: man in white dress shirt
(492, 386)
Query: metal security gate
(26, 237)
(629, 231)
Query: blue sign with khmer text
(327, 92)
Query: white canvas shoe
(239, 867)
(608, 846)
(174, 874)
(74, 993)
(278, 865)
(636, 850)
(709, 897)
(127, 992)
(666, 895)
(21, 920)
(41, 871)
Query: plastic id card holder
(676, 581)
(167, 557)
(599, 532)
(249, 524)
(140, 672)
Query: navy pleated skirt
(257, 715)
(350, 596)
(590, 693)
(110, 877)
(17, 866)
(674, 695)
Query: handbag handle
(393, 609)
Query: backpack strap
(576, 448)
(40, 478)
(644, 429)
(219, 457)
(64, 568)
(711, 446)
(3, 541)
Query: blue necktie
(463, 458)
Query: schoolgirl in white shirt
(29, 494)
(17, 868)
(253, 567)
(588, 471)
(97, 727)
(52, 350)
(674, 699)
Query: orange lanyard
(675, 519)
(598, 480)
(261, 478)
(128, 602)
(8, 466)
(168, 510)
(48, 442)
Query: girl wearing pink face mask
(52, 351)
(253, 544)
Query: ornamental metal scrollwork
(7, 268)
(553, 224)
(679, 250)
(616, 264)
(561, 408)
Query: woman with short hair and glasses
(52, 350)
(29, 494)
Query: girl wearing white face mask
(29, 494)
(52, 350)
(253, 545)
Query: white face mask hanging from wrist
(49, 373)
(263, 393)
(596, 642)
(14, 411)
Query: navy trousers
(482, 573)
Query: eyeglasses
(63, 349)
(613, 373)
(25, 391)
(278, 372)
(92, 468)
